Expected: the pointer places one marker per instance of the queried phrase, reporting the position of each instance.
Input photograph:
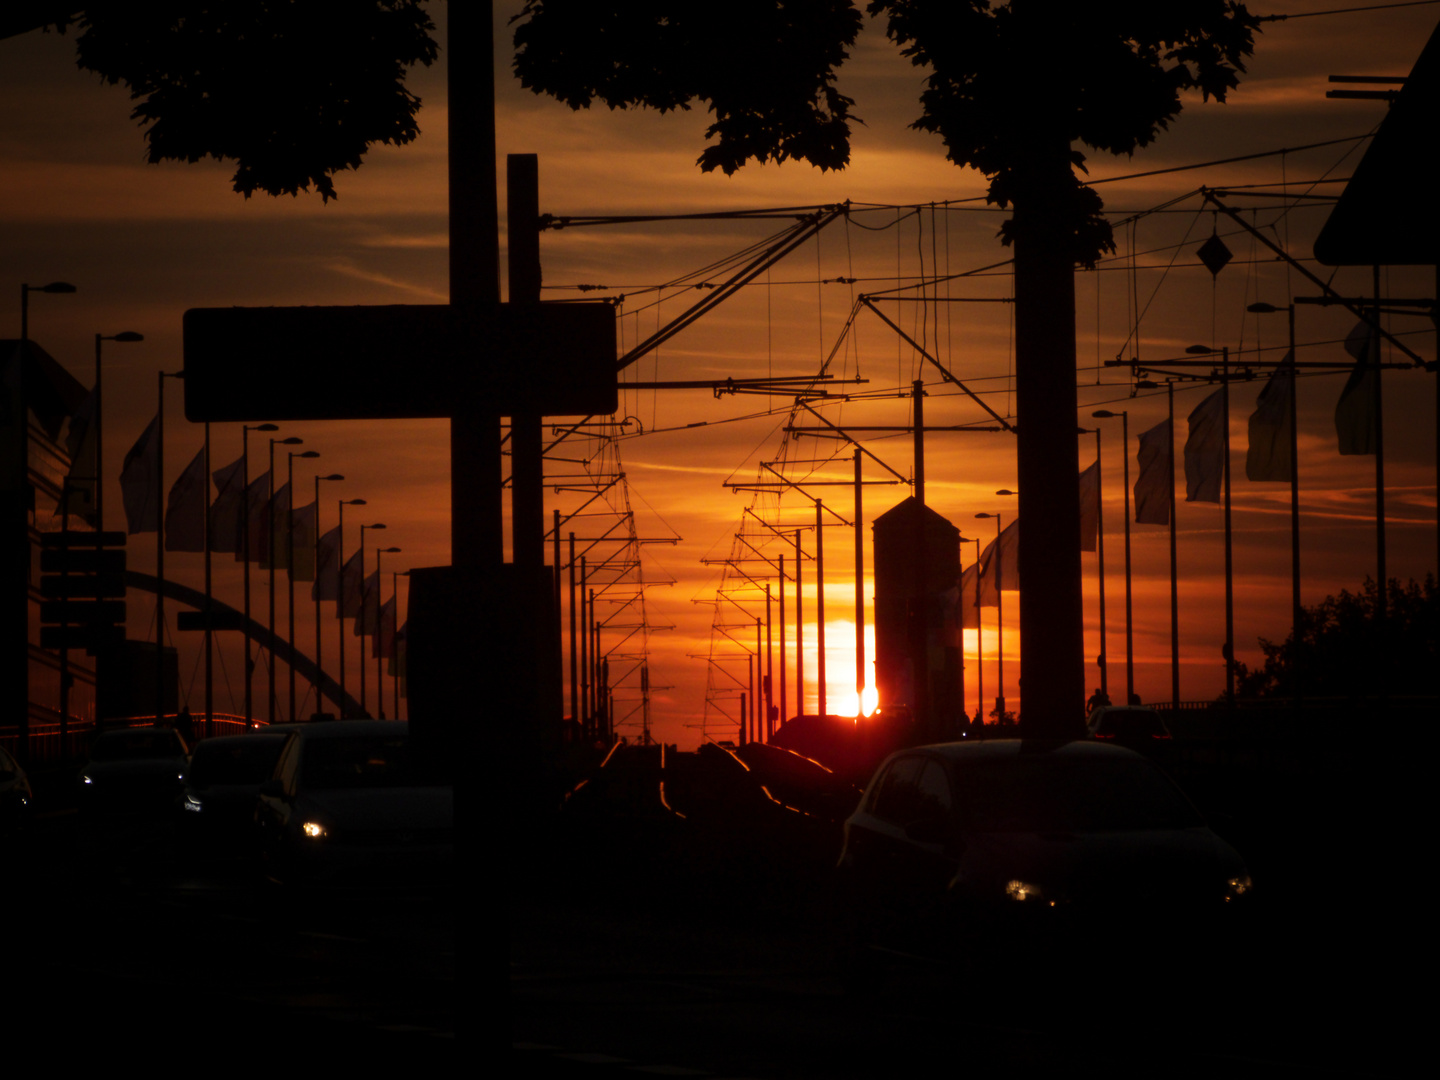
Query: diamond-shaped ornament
(1214, 254)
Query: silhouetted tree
(1343, 650)
(292, 91)
(1011, 87)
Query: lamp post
(979, 641)
(395, 592)
(1104, 658)
(360, 621)
(379, 671)
(1297, 613)
(1229, 650)
(245, 430)
(340, 597)
(319, 669)
(25, 290)
(160, 542)
(272, 703)
(999, 626)
(290, 562)
(98, 421)
(1106, 414)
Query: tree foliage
(292, 91)
(1106, 74)
(1344, 650)
(764, 68)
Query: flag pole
(160, 552)
(1100, 553)
(209, 601)
(1174, 568)
(1229, 535)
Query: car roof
(978, 750)
(339, 729)
(230, 740)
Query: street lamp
(25, 291)
(1104, 659)
(360, 621)
(395, 592)
(315, 588)
(123, 336)
(1106, 414)
(340, 591)
(1297, 613)
(245, 430)
(1229, 649)
(979, 636)
(999, 622)
(272, 703)
(379, 676)
(290, 564)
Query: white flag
(327, 567)
(1268, 456)
(257, 498)
(140, 482)
(1205, 450)
(1355, 411)
(369, 620)
(351, 586)
(1157, 476)
(225, 511)
(79, 493)
(276, 520)
(1090, 507)
(186, 509)
(302, 541)
(1000, 565)
(969, 592)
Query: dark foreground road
(122, 948)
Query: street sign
(82, 612)
(81, 561)
(217, 620)
(90, 638)
(400, 361)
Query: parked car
(1001, 851)
(16, 797)
(1126, 724)
(139, 768)
(345, 806)
(222, 781)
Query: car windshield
(1131, 722)
(138, 743)
(356, 761)
(249, 760)
(1070, 794)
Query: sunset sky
(144, 243)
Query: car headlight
(313, 829)
(86, 778)
(1016, 889)
(1238, 886)
(192, 803)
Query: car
(134, 768)
(1126, 724)
(17, 799)
(992, 853)
(222, 781)
(347, 807)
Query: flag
(1271, 436)
(225, 509)
(382, 645)
(274, 522)
(350, 586)
(396, 665)
(369, 620)
(1157, 476)
(140, 481)
(327, 568)
(1205, 450)
(1355, 411)
(257, 499)
(79, 494)
(302, 541)
(185, 512)
(1090, 507)
(969, 587)
(1000, 565)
